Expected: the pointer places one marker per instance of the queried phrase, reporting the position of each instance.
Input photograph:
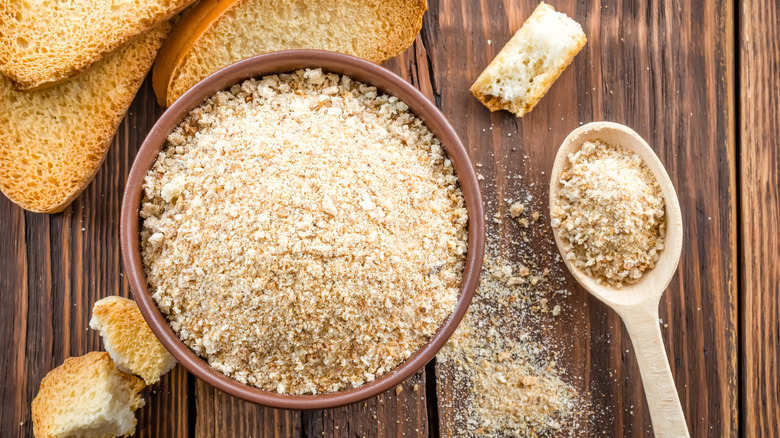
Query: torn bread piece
(530, 62)
(87, 396)
(45, 42)
(129, 340)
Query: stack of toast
(69, 72)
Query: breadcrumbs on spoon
(610, 213)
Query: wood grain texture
(664, 68)
(54, 267)
(400, 412)
(14, 411)
(759, 182)
(219, 414)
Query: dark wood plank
(14, 412)
(40, 354)
(666, 69)
(219, 414)
(168, 407)
(95, 253)
(399, 412)
(759, 183)
(168, 403)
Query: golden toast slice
(375, 30)
(52, 141)
(47, 41)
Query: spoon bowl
(652, 284)
(637, 303)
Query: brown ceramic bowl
(279, 62)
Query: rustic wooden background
(698, 80)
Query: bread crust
(45, 45)
(48, 157)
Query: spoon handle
(665, 410)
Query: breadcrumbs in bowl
(306, 234)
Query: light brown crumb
(610, 213)
(306, 240)
(516, 209)
(524, 271)
(523, 222)
(398, 390)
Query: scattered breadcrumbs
(516, 388)
(610, 213)
(303, 232)
(500, 364)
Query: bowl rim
(281, 62)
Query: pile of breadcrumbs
(610, 213)
(303, 232)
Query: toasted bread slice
(52, 141)
(48, 41)
(375, 30)
(530, 62)
(86, 396)
(129, 340)
(193, 22)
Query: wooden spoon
(637, 304)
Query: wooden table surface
(699, 81)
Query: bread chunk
(52, 141)
(375, 30)
(129, 340)
(87, 396)
(530, 62)
(47, 41)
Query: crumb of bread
(516, 209)
(610, 213)
(303, 232)
(516, 390)
(530, 62)
(129, 340)
(499, 371)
